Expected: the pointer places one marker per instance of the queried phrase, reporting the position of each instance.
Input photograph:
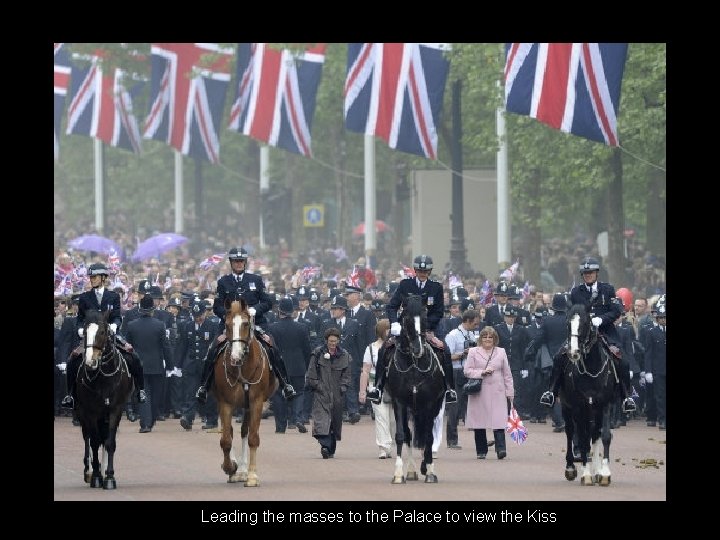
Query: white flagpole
(370, 232)
(503, 191)
(99, 186)
(178, 192)
(264, 185)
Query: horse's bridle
(585, 350)
(239, 365)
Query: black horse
(103, 386)
(590, 384)
(416, 384)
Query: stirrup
(289, 392)
(547, 399)
(141, 396)
(201, 395)
(450, 396)
(67, 402)
(628, 405)
(374, 395)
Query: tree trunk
(533, 234)
(616, 223)
(656, 216)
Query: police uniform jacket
(129, 316)
(349, 339)
(148, 338)
(493, 315)
(447, 325)
(627, 335)
(110, 302)
(523, 317)
(553, 333)
(250, 288)
(655, 352)
(193, 345)
(292, 339)
(312, 321)
(367, 321)
(604, 305)
(68, 338)
(432, 298)
(514, 344)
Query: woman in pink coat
(489, 409)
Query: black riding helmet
(98, 269)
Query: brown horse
(243, 377)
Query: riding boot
(375, 394)
(628, 404)
(73, 364)
(278, 366)
(136, 370)
(208, 374)
(548, 397)
(450, 394)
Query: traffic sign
(314, 215)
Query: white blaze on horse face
(574, 341)
(417, 323)
(89, 340)
(236, 348)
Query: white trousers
(384, 426)
(438, 428)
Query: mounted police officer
(101, 299)
(433, 299)
(249, 287)
(600, 302)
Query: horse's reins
(585, 350)
(107, 353)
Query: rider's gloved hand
(81, 331)
(251, 311)
(631, 373)
(648, 378)
(113, 328)
(524, 373)
(395, 329)
(597, 321)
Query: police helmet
(146, 304)
(559, 303)
(455, 300)
(339, 302)
(589, 264)
(423, 262)
(514, 293)
(98, 269)
(285, 305)
(502, 289)
(660, 314)
(155, 292)
(197, 308)
(510, 311)
(377, 305)
(144, 286)
(303, 293)
(314, 297)
(466, 303)
(238, 254)
(540, 312)
(461, 292)
(175, 302)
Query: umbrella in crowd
(157, 245)
(380, 226)
(94, 242)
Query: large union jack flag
(187, 97)
(100, 106)
(275, 98)
(395, 91)
(573, 87)
(62, 80)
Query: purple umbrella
(157, 245)
(94, 242)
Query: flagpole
(178, 192)
(99, 185)
(504, 254)
(370, 232)
(264, 186)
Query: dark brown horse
(243, 377)
(103, 386)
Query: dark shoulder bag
(473, 386)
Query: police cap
(423, 262)
(589, 264)
(339, 302)
(238, 254)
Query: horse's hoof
(431, 479)
(570, 474)
(397, 480)
(242, 475)
(233, 468)
(87, 477)
(252, 482)
(96, 482)
(412, 475)
(603, 480)
(586, 480)
(109, 483)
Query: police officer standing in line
(67, 340)
(292, 340)
(134, 313)
(656, 364)
(432, 296)
(173, 384)
(495, 314)
(514, 339)
(148, 337)
(101, 299)
(249, 287)
(600, 303)
(367, 321)
(194, 339)
(522, 316)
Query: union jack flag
(407, 271)
(211, 261)
(61, 82)
(311, 272)
(516, 429)
(275, 98)
(573, 87)
(114, 260)
(395, 91)
(187, 98)
(509, 273)
(486, 295)
(101, 107)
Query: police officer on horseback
(101, 299)
(602, 305)
(431, 293)
(249, 287)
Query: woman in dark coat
(328, 376)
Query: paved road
(171, 464)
